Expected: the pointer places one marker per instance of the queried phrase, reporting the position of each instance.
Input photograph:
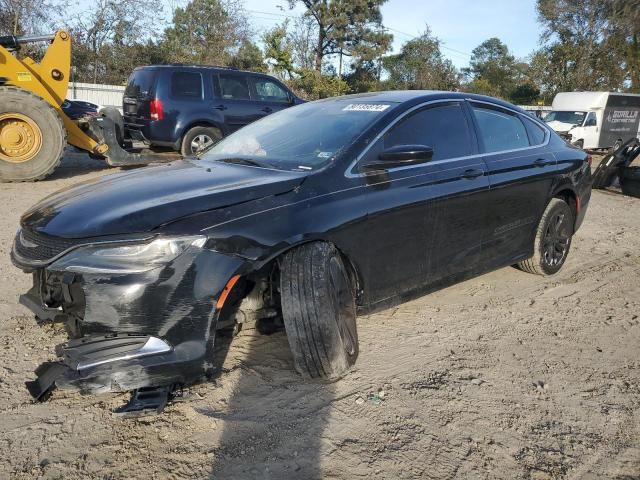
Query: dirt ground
(507, 375)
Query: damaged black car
(306, 218)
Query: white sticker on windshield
(365, 107)
(324, 154)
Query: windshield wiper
(244, 161)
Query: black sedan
(308, 218)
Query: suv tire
(553, 239)
(319, 310)
(203, 136)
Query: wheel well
(569, 196)
(201, 123)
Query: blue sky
(460, 24)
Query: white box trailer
(594, 120)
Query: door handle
(220, 107)
(267, 109)
(541, 162)
(472, 173)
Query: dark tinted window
(140, 83)
(234, 87)
(536, 133)
(270, 91)
(500, 130)
(186, 84)
(443, 128)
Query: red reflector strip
(226, 290)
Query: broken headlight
(131, 258)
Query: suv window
(442, 127)
(140, 83)
(234, 87)
(270, 91)
(499, 129)
(535, 131)
(186, 85)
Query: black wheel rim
(344, 304)
(556, 240)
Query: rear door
(269, 94)
(234, 100)
(137, 96)
(521, 171)
(424, 219)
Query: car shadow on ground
(277, 434)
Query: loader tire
(319, 310)
(32, 136)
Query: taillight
(589, 159)
(155, 110)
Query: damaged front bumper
(131, 332)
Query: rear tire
(31, 143)
(319, 311)
(199, 138)
(553, 239)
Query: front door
(269, 95)
(591, 132)
(424, 219)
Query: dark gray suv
(189, 107)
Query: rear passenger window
(186, 85)
(536, 132)
(443, 128)
(500, 130)
(234, 87)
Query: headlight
(132, 258)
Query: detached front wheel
(319, 310)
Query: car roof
(419, 96)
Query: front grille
(37, 247)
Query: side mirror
(400, 156)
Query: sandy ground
(507, 375)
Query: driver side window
(443, 127)
(590, 121)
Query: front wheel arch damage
(254, 298)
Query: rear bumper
(131, 331)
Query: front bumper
(131, 331)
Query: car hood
(143, 199)
(560, 126)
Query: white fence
(104, 95)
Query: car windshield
(574, 118)
(301, 138)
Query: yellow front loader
(33, 128)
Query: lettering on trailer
(621, 119)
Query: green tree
(624, 39)
(577, 52)
(249, 57)
(420, 65)
(207, 32)
(106, 40)
(347, 28)
(492, 69)
(278, 51)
